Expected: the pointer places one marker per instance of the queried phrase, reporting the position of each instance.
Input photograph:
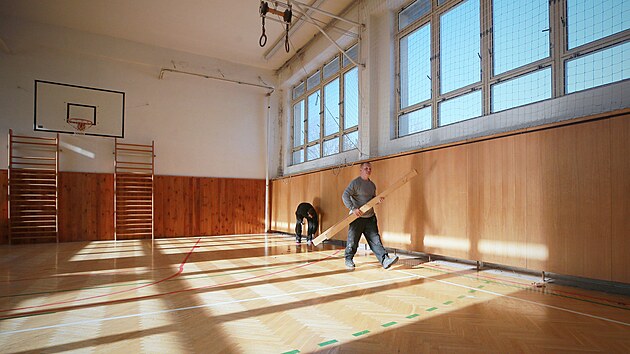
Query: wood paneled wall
(191, 206)
(86, 206)
(184, 206)
(554, 199)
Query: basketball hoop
(80, 124)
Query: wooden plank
(620, 198)
(367, 206)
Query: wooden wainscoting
(553, 198)
(184, 206)
(195, 206)
(86, 206)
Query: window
(590, 20)
(598, 68)
(331, 107)
(460, 108)
(325, 115)
(460, 46)
(415, 121)
(415, 67)
(470, 63)
(522, 90)
(520, 33)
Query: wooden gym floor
(242, 294)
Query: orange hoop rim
(80, 124)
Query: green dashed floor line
(432, 309)
(526, 288)
(472, 291)
(448, 302)
(413, 316)
(480, 287)
(292, 352)
(323, 344)
(461, 296)
(388, 324)
(360, 333)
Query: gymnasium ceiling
(223, 29)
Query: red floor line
(153, 295)
(181, 269)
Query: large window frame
(329, 141)
(418, 14)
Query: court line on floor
(142, 314)
(524, 286)
(518, 299)
(26, 314)
(180, 271)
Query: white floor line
(78, 323)
(518, 299)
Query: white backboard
(55, 103)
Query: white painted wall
(201, 127)
(378, 104)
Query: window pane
(351, 98)
(312, 152)
(460, 108)
(331, 68)
(522, 90)
(590, 20)
(298, 124)
(313, 117)
(313, 80)
(521, 34)
(331, 108)
(413, 12)
(599, 68)
(353, 53)
(414, 122)
(351, 141)
(298, 157)
(459, 46)
(298, 90)
(331, 147)
(415, 67)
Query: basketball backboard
(57, 103)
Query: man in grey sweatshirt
(360, 191)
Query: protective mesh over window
(353, 53)
(413, 12)
(298, 124)
(298, 90)
(415, 67)
(522, 90)
(351, 141)
(599, 68)
(331, 107)
(331, 146)
(312, 152)
(460, 63)
(313, 117)
(590, 20)
(351, 98)
(520, 33)
(460, 108)
(313, 80)
(414, 122)
(331, 68)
